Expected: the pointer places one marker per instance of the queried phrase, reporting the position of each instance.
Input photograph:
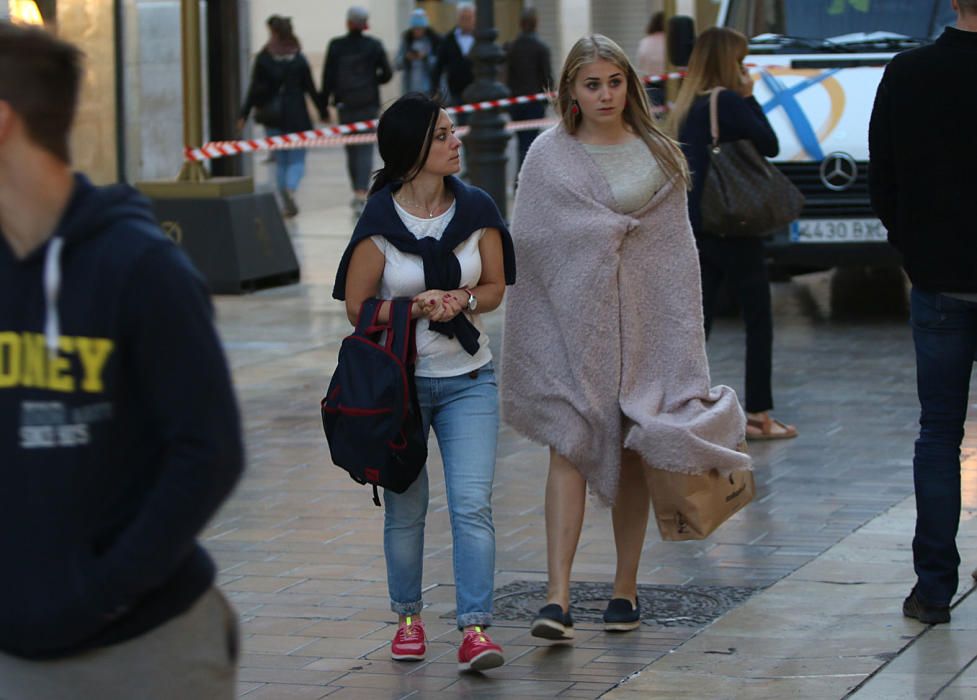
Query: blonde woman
(604, 350)
(717, 62)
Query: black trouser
(359, 158)
(741, 262)
(530, 110)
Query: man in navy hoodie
(119, 431)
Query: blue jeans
(289, 165)
(945, 335)
(464, 413)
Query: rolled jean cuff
(482, 619)
(407, 608)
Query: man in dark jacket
(922, 181)
(454, 57)
(528, 72)
(119, 430)
(356, 66)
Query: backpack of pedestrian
(370, 411)
(356, 66)
(426, 235)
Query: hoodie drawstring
(52, 287)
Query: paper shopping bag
(691, 506)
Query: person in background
(454, 63)
(921, 181)
(717, 62)
(604, 349)
(425, 234)
(528, 72)
(280, 80)
(356, 66)
(651, 57)
(418, 54)
(119, 430)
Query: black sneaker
(929, 615)
(552, 623)
(621, 617)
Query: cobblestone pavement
(299, 544)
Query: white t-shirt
(403, 276)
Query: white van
(817, 65)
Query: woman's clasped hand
(437, 305)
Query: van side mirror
(680, 38)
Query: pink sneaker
(478, 653)
(410, 642)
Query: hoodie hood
(90, 212)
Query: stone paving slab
(832, 629)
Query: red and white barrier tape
(350, 134)
(282, 143)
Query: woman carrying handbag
(280, 80)
(717, 62)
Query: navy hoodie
(116, 450)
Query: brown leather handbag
(744, 196)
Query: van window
(848, 22)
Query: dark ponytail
(380, 180)
(404, 137)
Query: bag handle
(366, 322)
(399, 326)
(714, 115)
(400, 336)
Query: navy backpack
(370, 411)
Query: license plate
(837, 231)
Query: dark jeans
(532, 110)
(741, 262)
(359, 158)
(656, 94)
(945, 335)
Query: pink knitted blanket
(604, 345)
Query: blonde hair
(637, 113)
(715, 62)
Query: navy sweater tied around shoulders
(474, 210)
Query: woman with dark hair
(651, 58)
(651, 48)
(716, 63)
(280, 80)
(427, 235)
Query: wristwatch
(472, 301)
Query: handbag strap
(714, 115)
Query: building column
(94, 139)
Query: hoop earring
(575, 108)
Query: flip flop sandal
(766, 432)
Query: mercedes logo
(838, 171)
